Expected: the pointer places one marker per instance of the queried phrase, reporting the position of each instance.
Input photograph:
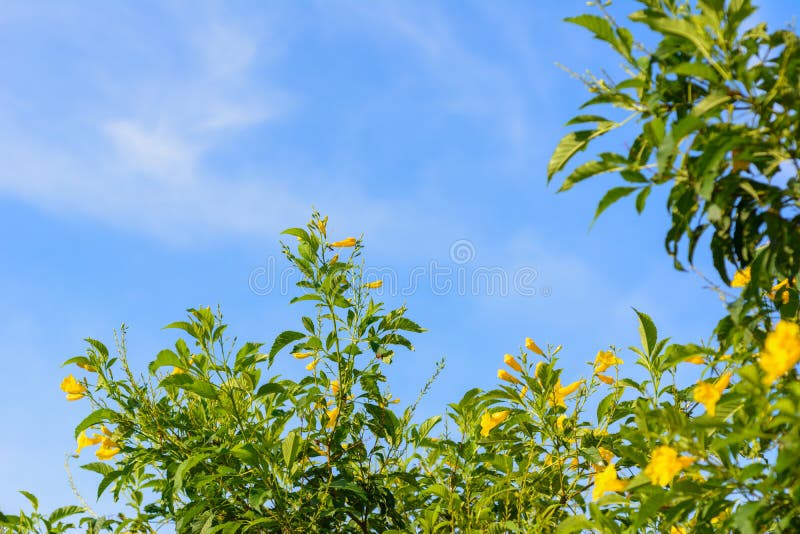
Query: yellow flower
(301, 355)
(74, 389)
(709, 394)
(502, 374)
(536, 369)
(697, 359)
(560, 393)
(333, 415)
(322, 225)
(311, 365)
(604, 360)
(523, 392)
(178, 371)
(85, 441)
(665, 464)
(677, 530)
(510, 361)
(396, 401)
(781, 289)
(107, 450)
(606, 379)
(530, 345)
(781, 351)
(605, 454)
(349, 242)
(491, 420)
(606, 481)
(741, 278)
(334, 259)
(335, 386)
(87, 367)
(374, 285)
(560, 422)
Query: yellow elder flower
(349, 242)
(74, 389)
(301, 355)
(334, 259)
(677, 530)
(311, 365)
(561, 392)
(530, 345)
(665, 464)
(178, 371)
(709, 394)
(85, 441)
(604, 360)
(333, 415)
(502, 374)
(605, 454)
(697, 359)
(523, 392)
(107, 450)
(510, 361)
(781, 351)
(606, 481)
(491, 420)
(374, 285)
(606, 379)
(741, 278)
(335, 386)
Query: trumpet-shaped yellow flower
(335, 387)
(781, 289)
(334, 259)
(311, 365)
(604, 360)
(107, 450)
(502, 374)
(709, 394)
(562, 392)
(560, 422)
(301, 355)
(677, 530)
(512, 362)
(87, 367)
(606, 379)
(523, 392)
(781, 351)
(665, 464)
(74, 389)
(606, 481)
(697, 359)
(741, 278)
(344, 243)
(333, 415)
(374, 285)
(491, 420)
(178, 371)
(85, 441)
(531, 346)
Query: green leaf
(31, 497)
(65, 511)
(297, 232)
(587, 170)
(201, 388)
(575, 523)
(641, 199)
(101, 415)
(98, 467)
(570, 144)
(283, 339)
(613, 195)
(164, 358)
(290, 447)
(184, 468)
(647, 332)
(599, 26)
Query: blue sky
(153, 151)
